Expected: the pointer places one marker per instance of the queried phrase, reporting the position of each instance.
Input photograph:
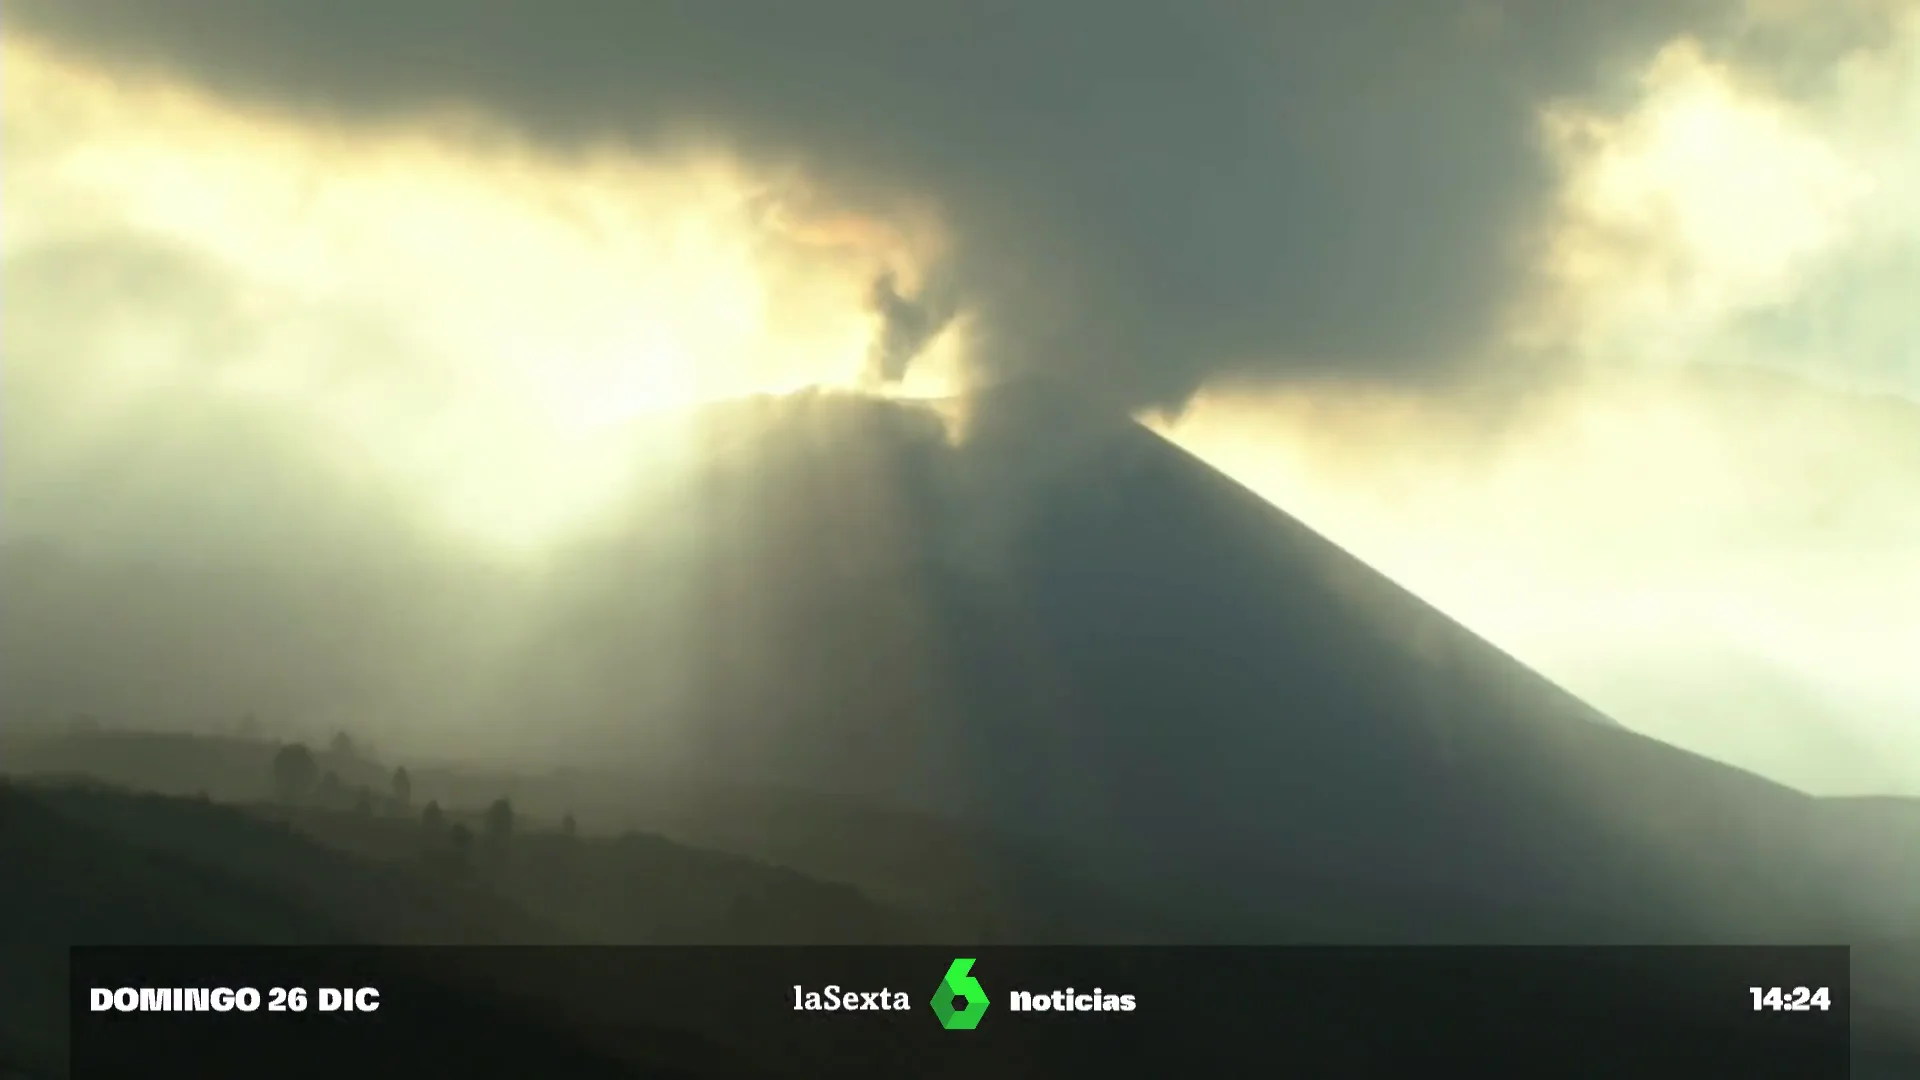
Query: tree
(431, 817)
(499, 823)
(461, 844)
(568, 826)
(330, 791)
(363, 801)
(342, 745)
(402, 789)
(294, 771)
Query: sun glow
(496, 331)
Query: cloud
(108, 446)
(1724, 557)
(1720, 219)
(1145, 195)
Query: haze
(1619, 368)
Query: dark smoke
(907, 326)
(1144, 195)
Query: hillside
(631, 888)
(917, 861)
(92, 864)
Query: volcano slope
(1054, 625)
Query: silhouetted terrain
(89, 865)
(105, 865)
(96, 865)
(920, 861)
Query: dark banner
(990, 1012)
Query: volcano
(1016, 655)
(1047, 622)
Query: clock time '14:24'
(1798, 999)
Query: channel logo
(959, 1001)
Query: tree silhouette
(431, 817)
(342, 745)
(499, 823)
(568, 826)
(461, 839)
(330, 790)
(294, 771)
(402, 789)
(363, 801)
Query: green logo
(956, 986)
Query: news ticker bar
(795, 1011)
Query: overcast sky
(1438, 276)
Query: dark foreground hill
(88, 864)
(98, 865)
(945, 869)
(103, 867)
